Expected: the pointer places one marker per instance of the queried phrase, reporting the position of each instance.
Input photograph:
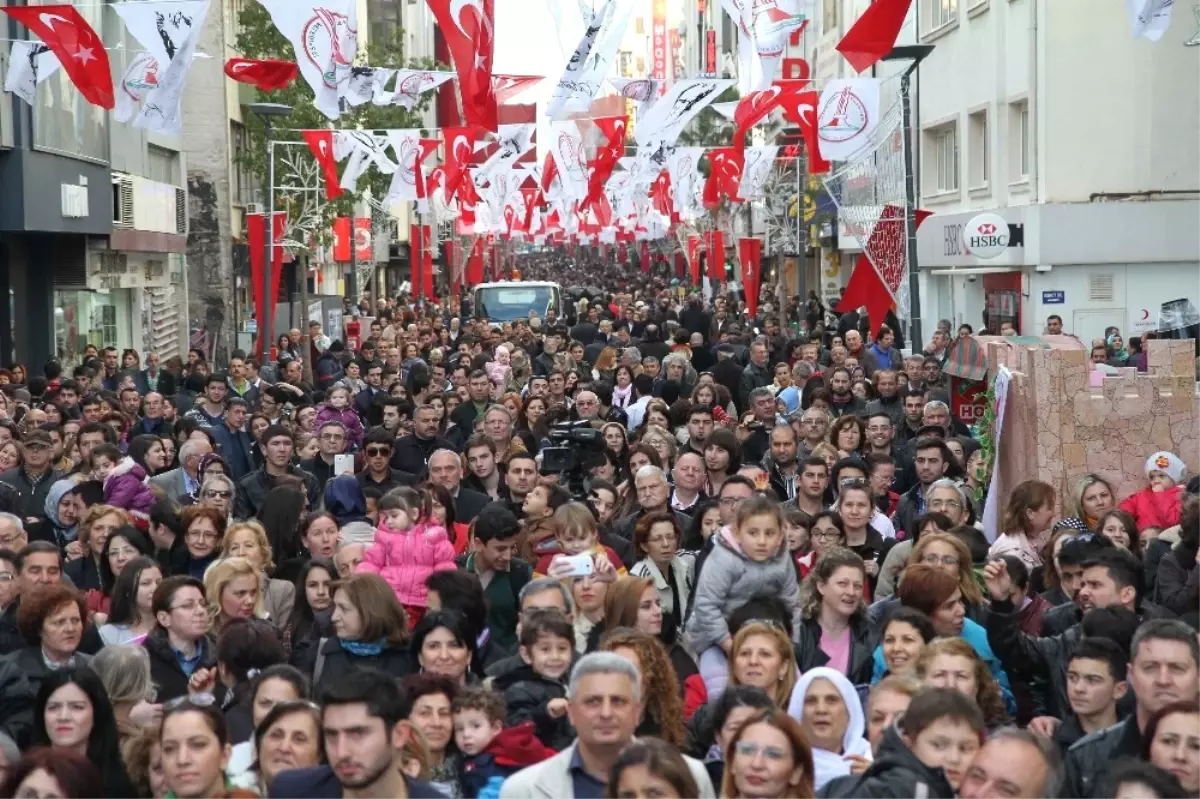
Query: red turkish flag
(256, 240)
(750, 255)
(265, 73)
(607, 156)
(416, 259)
(475, 263)
(716, 255)
(509, 86)
(321, 144)
(874, 34)
(660, 193)
(801, 108)
(866, 288)
(78, 47)
(449, 247)
(549, 171)
(427, 250)
(724, 175)
(644, 256)
(887, 246)
(428, 148)
(693, 256)
(469, 27)
(757, 106)
(460, 149)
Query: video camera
(572, 443)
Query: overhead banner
(324, 34)
(756, 171)
(847, 117)
(581, 79)
(667, 118)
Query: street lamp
(268, 113)
(915, 54)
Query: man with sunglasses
(377, 471)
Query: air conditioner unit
(254, 208)
(122, 201)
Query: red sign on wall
(659, 41)
(364, 247)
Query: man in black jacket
(278, 447)
(32, 480)
(412, 453)
(373, 377)
(445, 469)
(234, 442)
(1164, 668)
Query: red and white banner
(78, 47)
(847, 117)
(666, 119)
(265, 73)
(321, 144)
(324, 34)
(364, 247)
(591, 60)
(658, 42)
(756, 170)
(471, 38)
(256, 240)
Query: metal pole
(801, 237)
(265, 331)
(910, 215)
(305, 361)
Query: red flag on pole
(78, 47)
(750, 255)
(716, 256)
(644, 256)
(448, 252)
(415, 260)
(427, 248)
(256, 240)
(475, 263)
(471, 40)
(874, 34)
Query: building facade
(1078, 136)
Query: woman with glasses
(131, 618)
(218, 491)
(179, 646)
(199, 546)
(948, 553)
(72, 712)
(827, 533)
(51, 620)
(249, 540)
(769, 757)
(195, 752)
(1027, 516)
(835, 631)
(94, 529)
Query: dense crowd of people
(643, 545)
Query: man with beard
(520, 478)
(814, 425)
(781, 462)
(842, 400)
(811, 482)
(890, 402)
(412, 453)
(914, 415)
(699, 428)
(931, 459)
(543, 364)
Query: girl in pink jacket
(408, 548)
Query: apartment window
(978, 150)
(162, 165)
(941, 159)
(1018, 126)
(386, 21)
(942, 12)
(246, 187)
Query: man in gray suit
(183, 482)
(604, 705)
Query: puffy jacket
(349, 420)
(897, 773)
(526, 694)
(406, 558)
(728, 581)
(862, 644)
(1087, 760)
(1150, 508)
(127, 488)
(252, 490)
(511, 750)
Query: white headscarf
(829, 765)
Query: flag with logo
(666, 119)
(589, 64)
(847, 116)
(29, 64)
(411, 84)
(265, 73)
(169, 30)
(324, 34)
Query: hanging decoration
(666, 119)
(469, 29)
(324, 35)
(267, 74)
(847, 117)
(29, 65)
(873, 35)
(581, 79)
(78, 48)
(321, 144)
(750, 256)
(170, 31)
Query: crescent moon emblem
(1145, 314)
(48, 20)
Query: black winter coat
(896, 774)
(17, 697)
(395, 661)
(252, 490)
(412, 454)
(862, 649)
(526, 693)
(1178, 584)
(30, 662)
(1089, 758)
(165, 672)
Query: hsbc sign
(985, 236)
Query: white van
(512, 300)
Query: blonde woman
(232, 591)
(662, 442)
(954, 663)
(249, 540)
(762, 655)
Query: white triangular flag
(29, 63)
(169, 30)
(406, 144)
(566, 148)
(139, 78)
(757, 169)
(515, 140)
(362, 85)
(585, 71)
(324, 34)
(412, 83)
(1149, 18)
(368, 149)
(667, 118)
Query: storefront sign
(659, 43)
(1054, 297)
(986, 236)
